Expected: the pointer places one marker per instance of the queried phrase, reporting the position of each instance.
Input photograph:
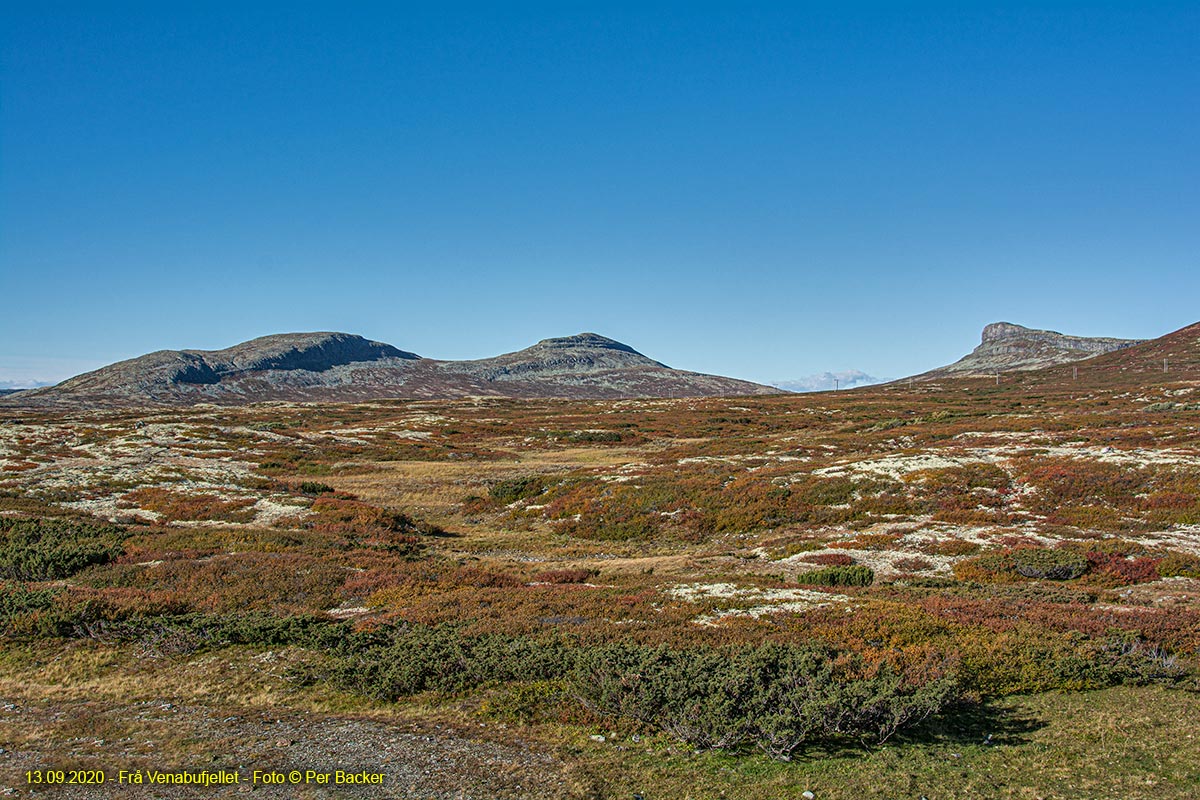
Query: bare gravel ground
(418, 761)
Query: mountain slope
(1005, 347)
(1174, 357)
(344, 367)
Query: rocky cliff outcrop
(1006, 347)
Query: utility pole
(1075, 373)
(997, 378)
(1164, 365)
(836, 384)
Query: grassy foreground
(73, 705)
(1120, 742)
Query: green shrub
(1055, 565)
(514, 489)
(1028, 562)
(41, 550)
(443, 660)
(1022, 662)
(528, 702)
(853, 575)
(38, 613)
(780, 698)
(595, 436)
(829, 492)
(1182, 565)
(16, 599)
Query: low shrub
(41, 550)
(912, 564)
(17, 600)
(38, 613)
(172, 506)
(1123, 569)
(485, 579)
(780, 698)
(365, 524)
(1055, 565)
(869, 541)
(595, 436)
(1179, 565)
(565, 576)
(441, 659)
(535, 701)
(1028, 562)
(829, 559)
(1021, 662)
(786, 547)
(948, 547)
(514, 489)
(854, 575)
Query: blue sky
(764, 191)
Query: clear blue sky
(762, 191)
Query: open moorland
(968, 587)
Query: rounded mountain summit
(341, 367)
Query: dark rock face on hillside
(1006, 347)
(166, 376)
(339, 367)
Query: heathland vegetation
(768, 588)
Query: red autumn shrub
(564, 576)
(829, 559)
(484, 578)
(1125, 569)
(912, 564)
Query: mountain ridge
(335, 366)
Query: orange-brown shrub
(339, 515)
(284, 583)
(971, 516)
(564, 576)
(1123, 569)
(1079, 482)
(948, 547)
(869, 541)
(828, 559)
(180, 506)
(483, 578)
(912, 564)
(121, 602)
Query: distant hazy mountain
(827, 381)
(344, 367)
(1006, 347)
(14, 386)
